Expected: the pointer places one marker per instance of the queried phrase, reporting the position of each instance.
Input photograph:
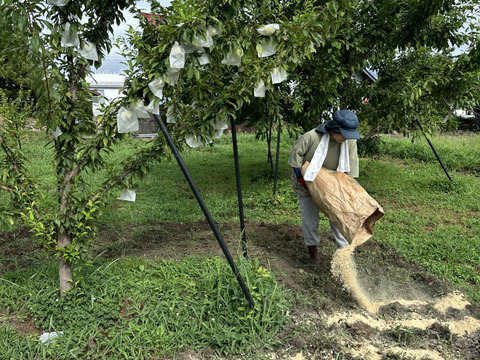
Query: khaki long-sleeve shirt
(304, 148)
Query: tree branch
(44, 65)
(110, 185)
(127, 171)
(10, 156)
(6, 188)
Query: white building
(106, 86)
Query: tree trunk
(64, 268)
(65, 239)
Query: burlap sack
(346, 203)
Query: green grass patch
(212, 168)
(458, 153)
(134, 308)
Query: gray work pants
(310, 220)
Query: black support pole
(269, 143)
(434, 151)
(207, 214)
(239, 187)
(277, 157)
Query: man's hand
(300, 177)
(302, 181)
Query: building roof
(106, 80)
(153, 19)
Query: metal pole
(200, 201)
(277, 156)
(239, 187)
(434, 151)
(269, 143)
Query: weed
(405, 336)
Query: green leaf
(332, 8)
(259, 49)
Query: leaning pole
(277, 157)
(239, 187)
(433, 149)
(207, 214)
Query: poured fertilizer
(345, 270)
(454, 301)
(466, 326)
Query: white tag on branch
(267, 48)
(220, 123)
(259, 90)
(177, 56)
(57, 133)
(193, 141)
(218, 134)
(89, 51)
(268, 30)
(157, 86)
(97, 110)
(190, 48)
(57, 2)
(173, 74)
(214, 30)
(203, 59)
(278, 75)
(139, 108)
(127, 121)
(204, 41)
(127, 195)
(152, 109)
(69, 39)
(233, 58)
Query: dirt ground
(418, 317)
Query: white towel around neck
(320, 155)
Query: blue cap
(344, 121)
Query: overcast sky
(112, 62)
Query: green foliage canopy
(323, 45)
(214, 92)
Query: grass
(134, 307)
(458, 153)
(432, 221)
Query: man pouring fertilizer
(321, 160)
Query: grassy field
(429, 220)
(433, 221)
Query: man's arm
(299, 150)
(297, 155)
